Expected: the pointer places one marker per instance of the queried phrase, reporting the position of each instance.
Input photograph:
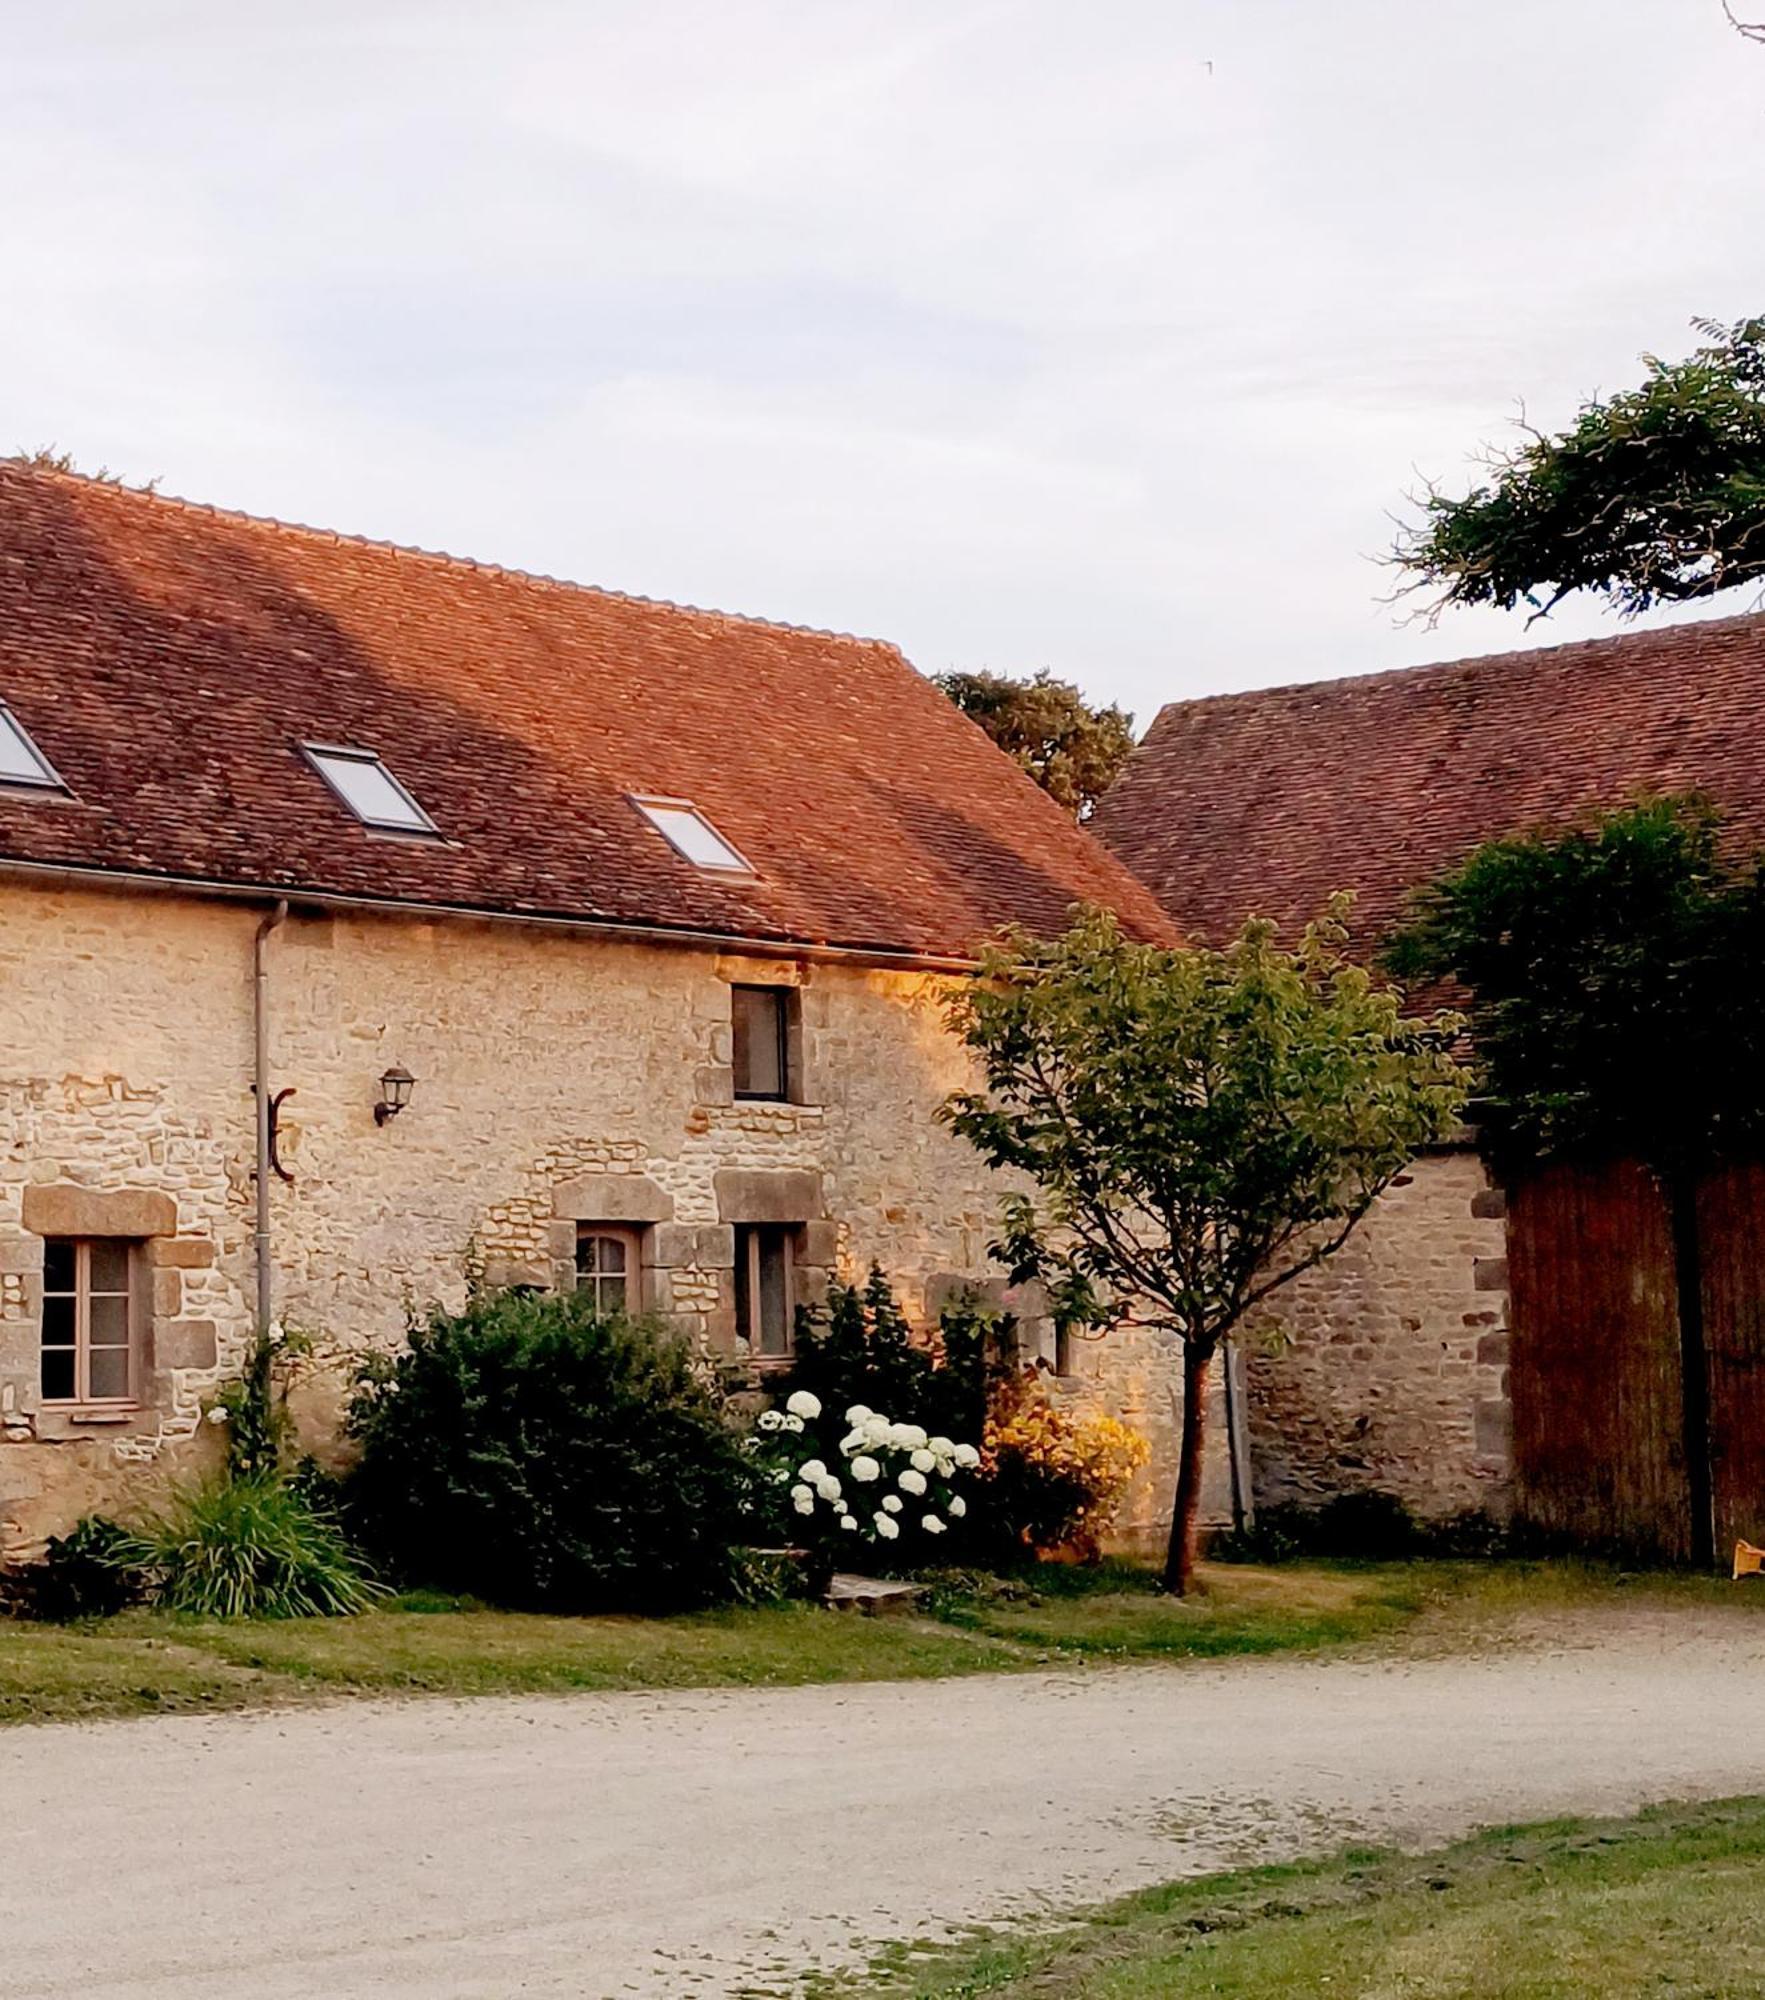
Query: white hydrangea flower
(858, 1414)
(790, 1423)
(801, 1404)
(924, 1461)
(800, 1493)
(811, 1470)
(906, 1437)
(829, 1489)
(912, 1482)
(771, 1420)
(848, 1521)
(942, 1446)
(967, 1457)
(892, 1502)
(956, 1506)
(851, 1442)
(877, 1430)
(865, 1469)
(932, 1525)
(886, 1527)
(217, 1415)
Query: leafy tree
(1073, 751)
(1201, 1126)
(1655, 495)
(1612, 972)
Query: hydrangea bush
(884, 1485)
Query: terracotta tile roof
(1268, 801)
(169, 659)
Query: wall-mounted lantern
(395, 1093)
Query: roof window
(21, 762)
(369, 790)
(692, 835)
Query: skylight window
(369, 790)
(692, 835)
(21, 762)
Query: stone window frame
(136, 1316)
(633, 1238)
(162, 1339)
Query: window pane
(19, 761)
(109, 1266)
(611, 1252)
(689, 833)
(372, 793)
(59, 1256)
(744, 1280)
(109, 1321)
(58, 1320)
(610, 1296)
(775, 1327)
(109, 1371)
(58, 1374)
(757, 1017)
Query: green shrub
(533, 1454)
(234, 1547)
(1368, 1526)
(87, 1573)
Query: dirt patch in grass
(1663, 1903)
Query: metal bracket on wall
(276, 1104)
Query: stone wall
(1386, 1367)
(559, 1078)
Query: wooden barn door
(1595, 1367)
(1731, 1263)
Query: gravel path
(684, 1844)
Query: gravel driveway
(689, 1844)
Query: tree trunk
(1179, 1562)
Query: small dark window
(763, 1289)
(607, 1264)
(761, 1019)
(88, 1316)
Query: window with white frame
(21, 762)
(692, 836)
(88, 1331)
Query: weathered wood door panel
(1731, 1267)
(1595, 1361)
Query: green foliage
(1612, 974)
(530, 1453)
(247, 1548)
(1072, 750)
(1655, 495)
(858, 1348)
(1201, 1125)
(87, 1573)
(254, 1405)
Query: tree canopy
(1072, 750)
(1612, 978)
(1654, 495)
(1200, 1126)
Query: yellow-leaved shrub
(1055, 1477)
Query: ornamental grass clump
(246, 1547)
(891, 1488)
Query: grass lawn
(1667, 1903)
(145, 1663)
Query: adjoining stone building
(600, 940)
(1393, 1373)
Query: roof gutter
(75, 874)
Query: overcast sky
(1022, 332)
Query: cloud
(1024, 334)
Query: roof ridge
(1513, 660)
(442, 557)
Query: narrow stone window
(763, 1293)
(88, 1347)
(609, 1264)
(760, 1019)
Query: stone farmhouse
(1395, 1373)
(600, 940)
